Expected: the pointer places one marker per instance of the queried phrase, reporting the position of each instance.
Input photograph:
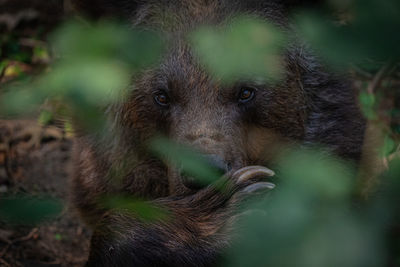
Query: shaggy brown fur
(310, 106)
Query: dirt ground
(36, 160)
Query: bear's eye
(246, 94)
(161, 98)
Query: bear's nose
(216, 162)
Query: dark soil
(35, 160)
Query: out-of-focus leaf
(89, 117)
(23, 209)
(367, 99)
(368, 102)
(307, 221)
(20, 101)
(371, 33)
(388, 146)
(134, 207)
(69, 129)
(40, 54)
(95, 67)
(247, 48)
(190, 162)
(138, 48)
(45, 117)
(97, 82)
(3, 65)
(319, 174)
(58, 237)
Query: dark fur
(310, 106)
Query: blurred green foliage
(136, 208)
(58, 237)
(187, 160)
(308, 220)
(364, 30)
(10, 47)
(246, 48)
(25, 209)
(45, 117)
(368, 105)
(94, 70)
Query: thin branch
(378, 78)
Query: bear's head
(233, 125)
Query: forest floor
(35, 159)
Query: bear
(238, 128)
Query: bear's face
(233, 125)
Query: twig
(361, 72)
(4, 262)
(3, 252)
(27, 237)
(31, 42)
(21, 239)
(377, 80)
(395, 154)
(4, 236)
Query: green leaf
(3, 64)
(58, 237)
(137, 208)
(138, 48)
(45, 117)
(25, 209)
(370, 33)
(318, 174)
(307, 220)
(368, 103)
(20, 100)
(388, 146)
(40, 53)
(247, 48)
(189, 161)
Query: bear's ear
(95, 9)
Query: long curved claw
(249, 172)
(260, 186)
